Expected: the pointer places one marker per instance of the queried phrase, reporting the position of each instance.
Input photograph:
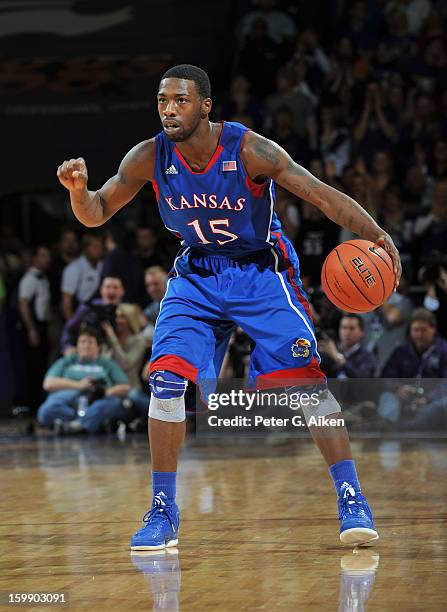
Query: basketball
(357, 276)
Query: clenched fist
(73, 174)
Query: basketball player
(214, 184)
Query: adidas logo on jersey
(171, 170)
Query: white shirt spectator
(416, 12)
(80, 279)
(35, 288)
(280, 25)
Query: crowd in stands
(363, 105)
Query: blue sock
(164, 482)
(344, 471)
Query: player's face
(181, 108)
(422, 335)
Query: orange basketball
(357, 276)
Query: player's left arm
(263, 158)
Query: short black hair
(358, 318)
(87, 330)
(36, 248)
(191, 73)
(423, 315)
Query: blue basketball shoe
(356, 519)
(161, 526)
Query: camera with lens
(96, 315)
(97, 391)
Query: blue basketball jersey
(221, 210)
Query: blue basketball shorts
(209, 295)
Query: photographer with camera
(94, 313)
(85, 389)
(423, 356)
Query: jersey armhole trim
(256, 189)
(154, 182)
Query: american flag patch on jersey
(227, 166)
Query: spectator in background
(7, 379)
(435, 280)
(120, 262)
(281, 27)
(35, 311)
(318, 65)
(438, 164)
(127, 345)
(373, 129)
(386, 327)
(396, 222)
(422, 128)
(81, 278)
(382, 174)
(416, 12)
(128, 348)
(416, 190)
(287, 209)
(284, 134)
(67, 252)
(147, 248)
(342, 74)
(155, 280)
(424, 355)
(85, 373)
(297, 102)
(260, 57)
(239, 101)
(317, 235)
(100, 309)
(397, 45)
(335, 141)
(361, 191)
(348, 358)
(430, 230)
(301, 80)
(361, 30)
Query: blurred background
(355, 91)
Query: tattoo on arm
(267, 150)
(305, 186)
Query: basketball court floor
(258, 532)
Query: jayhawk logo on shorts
(301, 348)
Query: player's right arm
(94, 208)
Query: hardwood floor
(259, 529)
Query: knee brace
(327, 404)
(167, 396)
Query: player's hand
(73, 174)
(386, 242)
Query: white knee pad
(167, 397)
(326, 405)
